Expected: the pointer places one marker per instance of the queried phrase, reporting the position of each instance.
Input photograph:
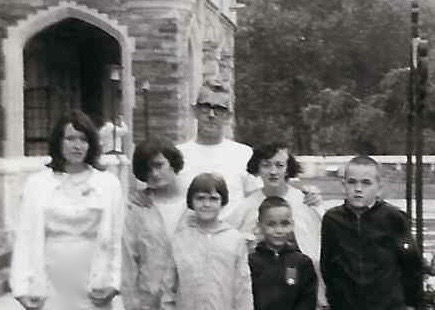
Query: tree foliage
(327, 77)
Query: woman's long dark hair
(81, 122)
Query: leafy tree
(328, 77)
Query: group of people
(218, 226)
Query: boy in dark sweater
(369, 259)
(282, 277)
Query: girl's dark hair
(147, 150)
(269, 203)
(81, 122)
(267, 151)
(206, 183)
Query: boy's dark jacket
(282, 280)
(370, 261)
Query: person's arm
(410, 262)
(255, 275)
(243, 299)
(169, 288)
(312, 195)
(326, 253)
(130, 261)
(307, 298)
(27, 273)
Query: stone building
(144, 59)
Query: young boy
(368, 257)
(282, 277)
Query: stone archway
(13, 83)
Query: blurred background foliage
(328, 77)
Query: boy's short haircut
(147, 150)
(270, 203)
(363, 160)
(206, 183)
(267, 151)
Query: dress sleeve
(118, 209)
(308, 292)
(106, 264)
(243, 298)
(130, 262)
(27, 274)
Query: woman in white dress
(67, 253)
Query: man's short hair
(147, 150)
(206, 183)
(363, 160)
(270, 203)
(267, 151)
(214, 90)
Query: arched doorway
(19, 34)
(69, 64)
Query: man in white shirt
(210, 151)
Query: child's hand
(312, 197)
(31, 302)
(102, 296)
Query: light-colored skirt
(68, 262)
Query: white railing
(322, 165)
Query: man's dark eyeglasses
(205, 107)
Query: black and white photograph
(217, 155)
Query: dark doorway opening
(67, 65)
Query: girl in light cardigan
(210, 268)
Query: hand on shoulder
(312, 197)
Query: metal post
(422, 73)
(411, 109)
